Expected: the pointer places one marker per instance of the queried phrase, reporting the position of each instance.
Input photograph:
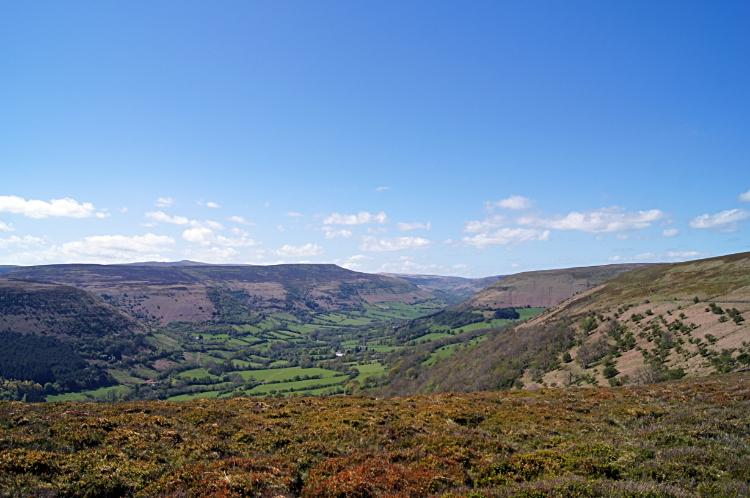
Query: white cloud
(243, 241)
(293, 214)
(199, 235)
(212, 254)
(621, 236)
(164, 202)
(515, 265)
(159, 216)
(356, 262)
(512, 202)
(240, 219)
(670, 232)
(289, 251)
(370, 243)
(612, 219)
(212, 205)
(20, 241)
(41, 209)
(281, 228)
(6, 227)
(382, 189)
(725, 222)
(123, 209)
(103, 215)
(331, 233)
(744, 197)
(355, 219)
(502, 236)
(484, 226)
(413, 226)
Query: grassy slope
(678, 439)
(668, 293)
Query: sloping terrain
(677, 319)
(672, 440)
(546, 288)
(163, 294)
(59, 311)
(653, 323)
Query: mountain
(453, 289)
(184, 262)
(162, 294)
(545, 288)
(651, 323)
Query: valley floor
(675, 439)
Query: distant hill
(454, 289)
(58, 310)
(7, 268)
(545, 288)
(184, 262)
(191, 292)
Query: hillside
(546, 288)
(649, 324)
(59, 311)
(163, 294)
(678, 439)
(682, 318)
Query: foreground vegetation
(676, 439)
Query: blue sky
(454, 138)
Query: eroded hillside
(677, 319)
(546, 288)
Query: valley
(188, 331)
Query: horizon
(425, 138)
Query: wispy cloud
(502, 236)
(382, 189)
(240, 219)
(515, 202)
(20, 241)
(485, 226)
(293, 214)
(356, 262)
(164, 202)
(612, 219)
(670, 232)
(294, 252)
(40, 209)
(332, 233)
(161, 217)
(370, 243)
(212, 205)
(744, 197)
(413, 226)
(6, 227)
(725, 222)
(360, 218)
